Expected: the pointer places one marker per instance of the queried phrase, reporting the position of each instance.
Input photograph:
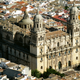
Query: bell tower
(74, 29)
(73, 23)
(37, 34)
(37, 45)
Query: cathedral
(30, 43)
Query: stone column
(62, 59)
(47, 60)
(56, 62)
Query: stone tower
(37, 38)
(38, 32)
(73, 29)
(73, 23)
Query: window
(30, 26)
(41, 50)
(65, 53)
(53, 56)
(41, 67)
(25, 26)
(76, 41)
(41, 59)
(67, 42)
(59, 54)
(50, 67)
(37, 25)
(73, 18)
(76, 50)
(69, 52)
(49, 56)
(76, 58)
(58, 44)
(40, 25)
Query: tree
(36, 73)
(51, 71)
(66, 7)
(46, 74)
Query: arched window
(59, 65)
(53, 56)
(59, 54)
(40, 25)
(50, 67)
(69, 63)
(30, 26)
(69, 52)
(49, 57)
(76, 41)
(76, 50)
(41, 67)
(58, 44)
(37, 25)
(41, 38)
(76, 17)
(25, 26)
(73, 18)
(65, 53)
(41, 59)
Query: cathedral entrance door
(69, 63)
(59, 65)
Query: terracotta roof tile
(21, 2)
(58, 17)
(23, 8)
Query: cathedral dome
(38, 16)
(26, 20)
(74, 8)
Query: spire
(38, 11)
(25, 14)
(74, 4)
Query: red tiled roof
(23, 8)
(65, 27)
(58, 17)
(21, 2)
(65, 11)
(59, 23)
(40, 12)
(7, 14)
(31, 6)
(14, 6)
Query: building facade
(32, 44)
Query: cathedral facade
(31, 44)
